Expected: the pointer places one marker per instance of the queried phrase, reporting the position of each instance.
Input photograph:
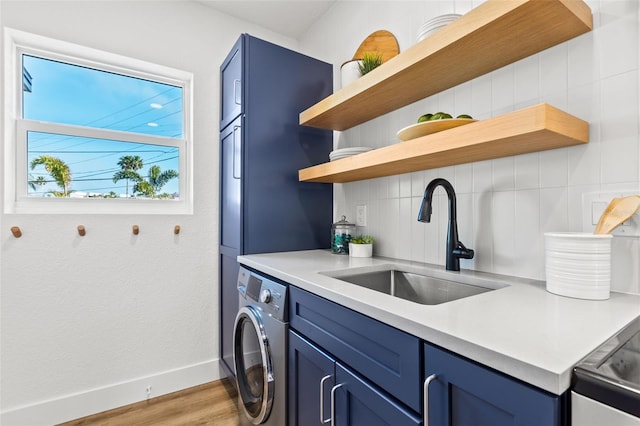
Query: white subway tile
(481, 95)
(403, 238)
(554, 168)
(463, 178)
(553, 74)
(503, 173)
(527, 80)
(503, 227)
(619, 114)
(554, 205)
(585, 164)
(417, 232)
(502, 89)
(527, 171)
(482, 176)
(483, 228)
(405, 184)
(528, 249)
(620, 161)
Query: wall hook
(136, 229)
(176, 229)
(81, 231)
(15, 230)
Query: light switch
(361, 215)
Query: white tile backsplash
(505, 205)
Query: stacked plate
(347, 152)
(433, 25)
(578, 264)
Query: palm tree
(129, 166)
(155, 181)
(59, 171)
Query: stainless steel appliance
(260, 350)
(606, 384)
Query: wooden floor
(209, 404)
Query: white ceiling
(287, 17)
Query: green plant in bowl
(369, 62)
(362, 239)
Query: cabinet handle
(236, 155)
(425, 402)
(236, 98)
(333, 403)
(322, 419)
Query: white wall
(504, 205)
(88, 322)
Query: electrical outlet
(361, 215)
(594, 204)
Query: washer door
(253, 363)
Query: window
(89, 131)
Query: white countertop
(521, 330)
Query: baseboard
(94, 401)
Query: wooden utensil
(618, 211)
(381, 42)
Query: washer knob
(265, 296)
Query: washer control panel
(264, 292)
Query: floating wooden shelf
(492, 35)
(537, 128)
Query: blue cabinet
(385, 355)
(380, 375)
(323, 390)
(463, 393)
(264, 208)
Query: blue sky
(70, 94)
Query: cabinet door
(231, 85)
(308, 366)
(465, 393)
(228, 305)
(231, 185)
(359, 403)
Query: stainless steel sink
(415, 287)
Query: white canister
(360, 250)
(350, 72)
(578, 264)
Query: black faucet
(455, 249)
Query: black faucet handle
(461, 252)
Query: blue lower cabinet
(359, 403)
(308, 365)
(463, 393)
(317, 381)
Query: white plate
(347, 152)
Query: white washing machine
(260, 350)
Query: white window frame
(16, 200)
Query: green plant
(370, 61)
(362, 239)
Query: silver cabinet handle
(333, 403)
(236, 86)
(425, 402)
(322, 419)
(236, 153)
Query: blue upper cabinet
(231, 76)
(264, 208)
(463, 393)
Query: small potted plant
(361, 246)
(370, 61)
